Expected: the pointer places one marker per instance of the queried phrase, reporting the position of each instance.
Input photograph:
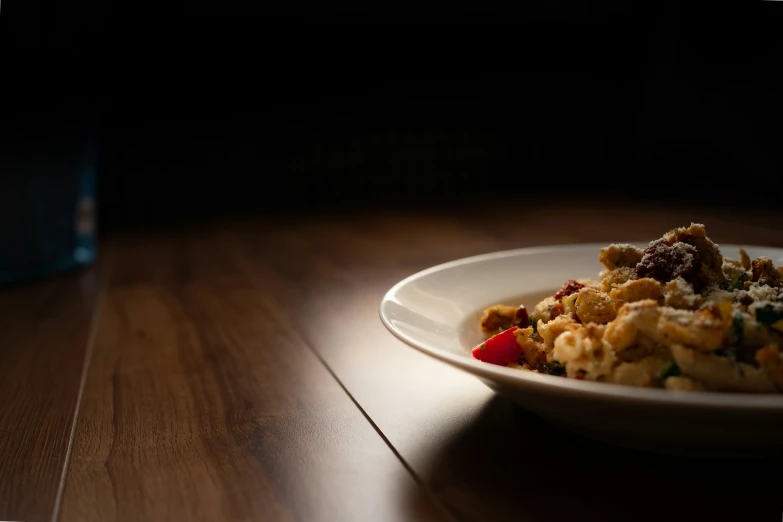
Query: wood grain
(484, 458)
(44, 332)
(204, 403)
(240, 372)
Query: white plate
(437, 312)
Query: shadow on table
(513, 465)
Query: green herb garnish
(533, 323)
(769, 314)
(739, 327)
(738, 283)
(670, 369)
(554, 368)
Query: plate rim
(743, 402)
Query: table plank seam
(94, 323)
(432, 498)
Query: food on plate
(676, 315)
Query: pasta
(675, 315)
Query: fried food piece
(619, 255)
(542, 311)
(533, 353)
(613, 278)
(765, 272)
(634, 322)
(551, 330)
(679, 293)
(594, 306)
(497, 318)
(637, 290)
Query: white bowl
(437, 312)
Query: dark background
(211, 109)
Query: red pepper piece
(500, 349)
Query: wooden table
(238, 371)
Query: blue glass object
(47, 202)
